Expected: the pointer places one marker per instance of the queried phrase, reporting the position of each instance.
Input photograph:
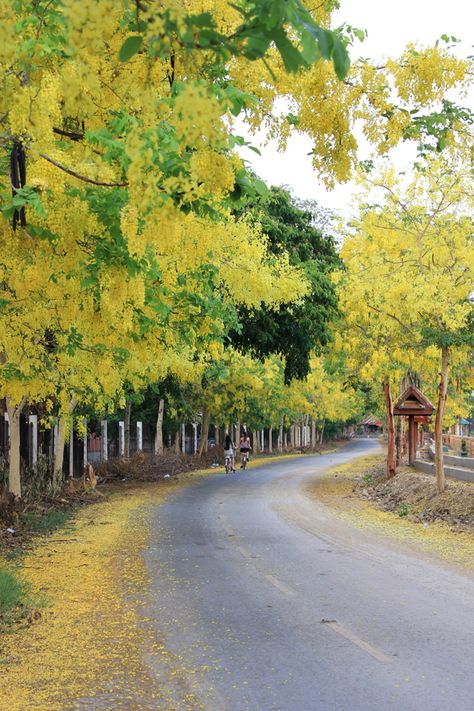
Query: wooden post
(411, 440)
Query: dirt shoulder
(407, 508)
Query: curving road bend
(265, 601)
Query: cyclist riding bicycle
(229, 452)
(245, 448)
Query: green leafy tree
(295, 330)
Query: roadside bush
(38, 480)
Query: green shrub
(403, 510)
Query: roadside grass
(46, 522)
(16, 603)
(12, 591)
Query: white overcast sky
(390, 26)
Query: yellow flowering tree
(409, 275)
(120, 255)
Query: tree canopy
(294, 330)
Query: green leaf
(341, 60)
(260, 188)
(130, 47)
(292, 59)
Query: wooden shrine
(414, 405)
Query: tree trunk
(313, 433)
(126, 430)
(204, 432)
(442, 396)
(176, 440)
(14, 476)
(237, 434)
(270, 443)
(216, 434)
(59, 446)
(280, 437)
(158, 447)
(292, 436)
(255, 442)
(391, 466)
(321, 435)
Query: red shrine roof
(413, 402)
(370, 420)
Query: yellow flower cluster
(197, 116)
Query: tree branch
(82, 177)
(73, 135)
(395, 318)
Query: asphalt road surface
(265, 601)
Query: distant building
(370, 426)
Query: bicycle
(244, 460)
(228, 464)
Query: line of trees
(135, 243)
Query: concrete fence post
(121, 433)
(105, 446)
(33, 421)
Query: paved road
(265, 601)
